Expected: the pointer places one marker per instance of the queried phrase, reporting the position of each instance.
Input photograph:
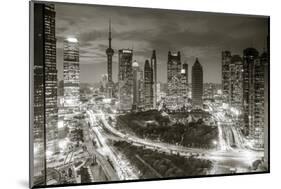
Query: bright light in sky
(72, 39)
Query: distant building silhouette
(197, 85)
(148, 85)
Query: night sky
(195, 34)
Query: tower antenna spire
(109, 33)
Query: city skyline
(194, 34)
(134, 127)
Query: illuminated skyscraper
(174, 74)
(236, 82)
(153, 62)
(148, 87)
(137, 86)
(45, 88)
(266, 102)
(125, 79)
(184, 79)
(236, 87)
(71, 73)
(197, 85)
(253, 93)
(226, 59)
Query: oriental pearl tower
(109, 53)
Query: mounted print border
(123, 94)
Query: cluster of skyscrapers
(137, 87)
(243, 86)
(177, 81)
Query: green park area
(156, 126)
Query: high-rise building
(137, 87)
(109, 53)
(125, 79)
(266, 102)
(184, 79)
(153, 62)
(236, 82)
(45, 88)
(208, 91)
(71, 74)
(226, 59)
(236, 87)
(174, 74)
(197, 85)
(253, 93)
(260, 98)
(148, 87)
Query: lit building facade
(259, 99)
(184, 80)
(51, 80)
(71, 74)
(236, 87)
(125, 79)
(197, 85)
(174, 74)
(138, 92)
(45, 89)
(236, 82)
(208, 91)
(226, 60)
(253, 93)
(148, 86)
(266, 104)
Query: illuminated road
(229, 135)
(246, 155)
(225, 158)
(122, 168)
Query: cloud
(195, 34)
